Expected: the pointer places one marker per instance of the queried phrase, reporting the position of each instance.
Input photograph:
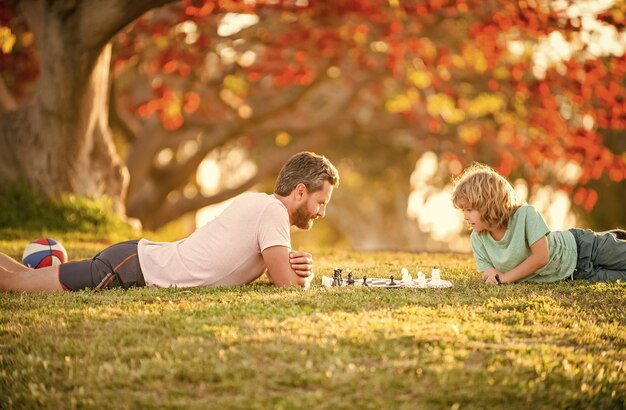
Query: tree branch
(333, 108)
(170, 211)
(101, 20)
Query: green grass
(25, 214)
(256, 346)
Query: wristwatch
(498, 279)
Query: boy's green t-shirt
(526, 226)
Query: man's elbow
(292, 281)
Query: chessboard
(392, 283)
(327, 281)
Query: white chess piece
(436, 281)
(406, 276)
(435, 275)
(421, 279)
(308, 280)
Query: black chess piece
(365, 281)
(350, 278)
(391, 281)
(336, 276)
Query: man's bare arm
(279, 269)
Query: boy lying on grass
(248, 238)
(511, 242)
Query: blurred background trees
(206, 99)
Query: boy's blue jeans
(601, 256)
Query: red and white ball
(44, 252)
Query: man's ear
(300, 190)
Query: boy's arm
(483, 262)
(279, 270)
(538, 258)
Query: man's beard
(302, 219)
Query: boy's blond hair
(481, 188)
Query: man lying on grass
(250, 237)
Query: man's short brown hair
(309, 169)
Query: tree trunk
(61, 141)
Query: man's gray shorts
(601, 256)
(116, 266)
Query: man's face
(313, 207)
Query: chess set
(405, 281)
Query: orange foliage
(459, 49)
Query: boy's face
(474, 220)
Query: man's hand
(301, 263)
(286, 267)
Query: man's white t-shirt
(225, 251)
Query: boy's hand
(489, 276)
(492, 280)
(301, 263)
